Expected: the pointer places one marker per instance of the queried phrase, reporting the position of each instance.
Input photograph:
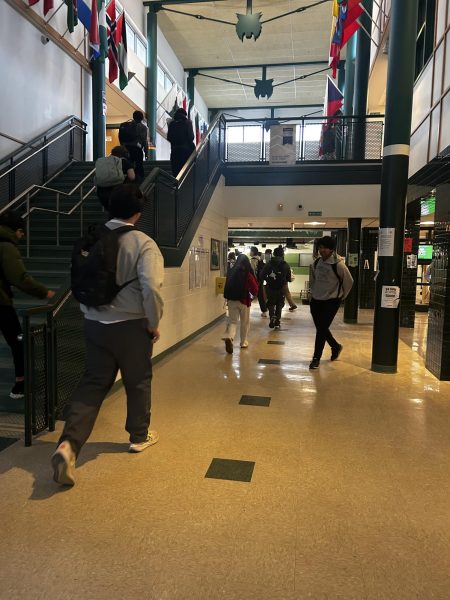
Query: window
(141, 50)
(235, 135)
(160, 76)
(425, 34)
(168, 82)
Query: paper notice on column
(390, 296)
(386, 241)
(353, 260)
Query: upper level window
(425, 33)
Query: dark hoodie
(276, 273)
(13, 272)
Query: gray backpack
(108, 171)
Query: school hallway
(348, 497)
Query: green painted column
(98, 109)
(394, 183)
(348, 96)
(353, 258)
(151, 104)
(341, 75)
(361, 92)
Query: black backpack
(94, 266)
(128, 133)
(276, 275)
(235, 285)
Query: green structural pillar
(341, 75)
(353, 258)
(362, 68)
(394, 183)
(151, 104)
(350, 76)
(191, 86)
(98, 109)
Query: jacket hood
(7, 234)
(277, 259)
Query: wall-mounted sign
(314, 213)
(386, 241)
(282, 145)
(353, 260)
(390, 296)
(407, 244)
(411, 261)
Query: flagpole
(55, 12)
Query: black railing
(338, 139)
(42, 158)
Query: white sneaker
(152, 438)
(265, 314)
(63, 462)
(244, 344)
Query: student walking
(276, 274)
(13, 274)
(240, 289)
(180, 134)
(119, 332)
(111, 171)
(134, 136)
(330, 282)
(257, 266)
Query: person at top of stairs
(111, 171)
(13, 273)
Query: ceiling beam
(266, 107)
(273, 65)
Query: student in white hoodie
(119, 336)
(330, 282)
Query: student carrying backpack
(111, 171)
(276, 274)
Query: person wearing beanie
(119, 336)
(330, 283)
(180, 134)
(14, 274)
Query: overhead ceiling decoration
(248, 26)
(264, 86)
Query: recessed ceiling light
(315, 223)
(427, 223)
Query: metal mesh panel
(29, 173)
(5, 194)
(78, 144)
(185, 204)
(58, 154)
(374, 140)
(147, 221)
(201, 174)
(166, 215)
(38, 360)
(69, 352)
(214, 149)
(240, 152)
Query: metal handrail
(40, 150)
(13, 139)
(47, 133)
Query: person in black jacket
(276, 274)
(181, 138)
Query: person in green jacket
(13, 273)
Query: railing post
(28, 225)
(12, 182)
(302, 140)
(72, 144)
(57, 219)
(45, 162)
(51, 372)
(81, 210)
(28, 420)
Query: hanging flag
(344, 25)
(122, 49)
(198, 133)
(175, 107)
(185, 102)
(72, 14)
(113, 54)
(351, 24)
(48, 4)
(94, 36)
(334, 100)
(102, 28)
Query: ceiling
(261, 222)
(297, 38)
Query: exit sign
(315, 213)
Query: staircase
(48, 262)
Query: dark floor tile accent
(269, 361)
(5, 442)
(255, 400)
(276, 343)
(231, 470)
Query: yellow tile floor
(350, 494)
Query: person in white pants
(240, 289)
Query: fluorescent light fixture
(315, 223)
(427, 223)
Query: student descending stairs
(48, 262)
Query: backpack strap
(335, 271)
(120, 231)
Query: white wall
(186, 311)
(338, 201)
(41, 84)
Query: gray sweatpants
(126, 346)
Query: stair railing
(24, 201)
(38, 160)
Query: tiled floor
(349, 496)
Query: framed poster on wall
(215, 255)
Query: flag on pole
(113, 54)
(185, 102)
(48, 4)
(345, 24)
(94, 36)
(72, 14)
(334, 100)
(122, 50)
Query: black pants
(126, 346)
(262, 299)
(104, 194)
(275, 302)
(12, 332)
(179, 156)
(137, 157)
(323, 313)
